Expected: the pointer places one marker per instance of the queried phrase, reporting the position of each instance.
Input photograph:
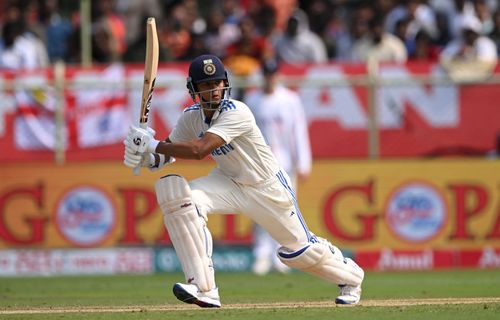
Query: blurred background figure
(381, 45)
(136, 51)
(351, 29)
(424, 48)
(419, 15)
(57, 30)
(299, 44)
(109, 32)
(471, 57)
(220, 34)
(133, 12)
(280, 116)
(243, 55)
(22, 49)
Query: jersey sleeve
(234, 120)
(181, 131)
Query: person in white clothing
(472, 57)
(380, 45)
(280, 116)
(247, 179)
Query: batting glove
(133, 159)
(141, 140)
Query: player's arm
(195, 149)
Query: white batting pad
(325, 261)
(187, 229)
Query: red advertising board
(414, 119)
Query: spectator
(472, 57)
(136, 51)
(30, 13)
(358, 29)
(424, 49)
(443, 26)
(186, 12)
(265, 17)
(243, 56)
(133, 13)
(459, 10)
(176, 38)
(381, 45)
(298, 44)
(280, 116)
(401, 31)
(21, 50)
(321, 14)
(232, 12)
(281, 9)
(109, 33)
(57, 30)
(196, 47)
(219, 34)
(420, 15)
(484, 14)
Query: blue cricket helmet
(206, 67)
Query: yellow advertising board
(361, 205)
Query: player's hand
(140, 139)
(133, 159)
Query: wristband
(161, 161)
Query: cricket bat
(150, 70)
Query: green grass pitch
(457, 294)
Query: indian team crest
(209, 67)
(415, 212)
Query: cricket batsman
(246, 179)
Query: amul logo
(415, 212)
(85, 216)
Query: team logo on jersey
(209, 67)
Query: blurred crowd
(35, 33)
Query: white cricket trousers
(271, 204)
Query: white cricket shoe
(348, 294)
(189, 293)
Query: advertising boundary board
(390, 214)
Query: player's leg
(326, 261)
(276, 210)
(265, 248)
(191, 239)
(186, 225)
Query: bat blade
(150, 70)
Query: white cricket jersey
(281, 118)
(245, 158)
